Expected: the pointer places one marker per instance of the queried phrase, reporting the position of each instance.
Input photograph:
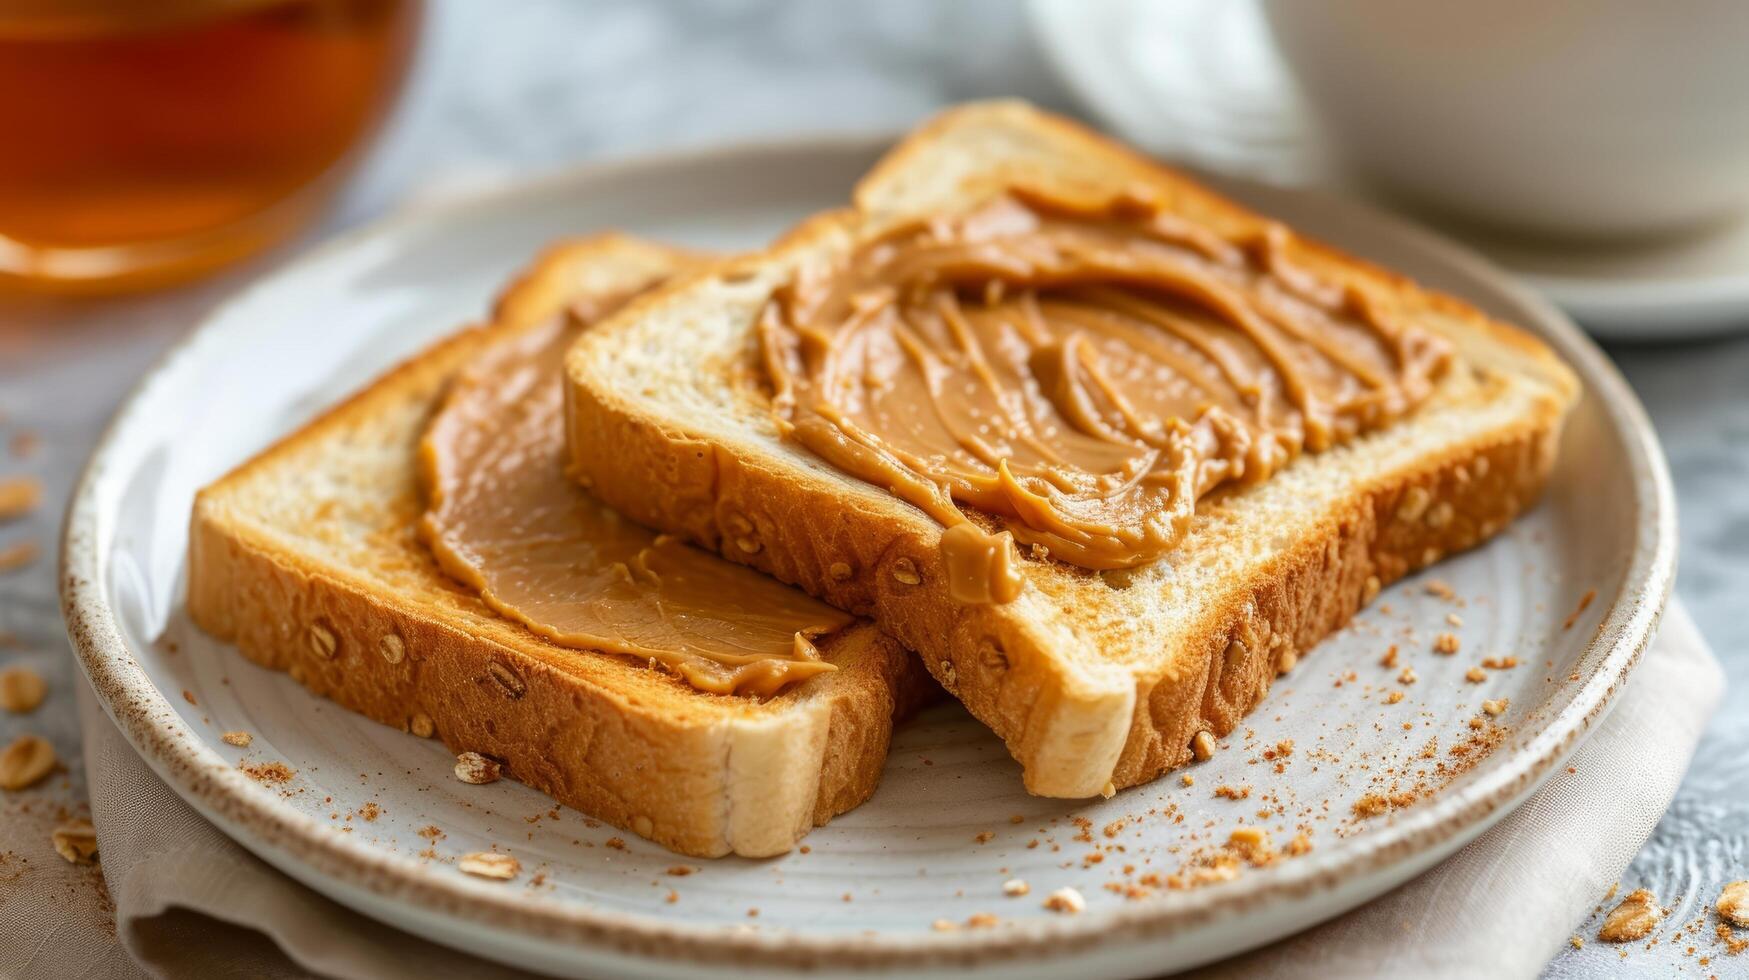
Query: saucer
(1199, 81)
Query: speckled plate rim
(198, 774)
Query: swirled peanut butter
(504, 518)
(1081, 374)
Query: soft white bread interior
(1096, 681)
(308, 558)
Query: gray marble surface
(518, 86)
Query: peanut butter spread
(1080, 374)
(504, 518)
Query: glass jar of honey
(143, 143)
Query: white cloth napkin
(189, 902)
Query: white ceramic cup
(1593, 118)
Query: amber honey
(143, 143)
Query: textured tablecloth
(519, 86)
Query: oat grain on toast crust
(307, 557)
(1094, 681)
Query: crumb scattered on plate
(488, 864)
(1066, 900)
(474, 768)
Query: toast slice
(308, 558)
(1096, 681)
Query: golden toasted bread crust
(701, 774)
(1080, 718)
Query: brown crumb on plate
(1584, 603)
(487, 864)
(269, 772)
(476, 769)
(1065, 900)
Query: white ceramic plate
(355, 823)
(1200, 81)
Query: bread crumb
(21, 689)
(19, 495)
(1298, 846)
(944, 925)
(1733, 904)
(981, 920)
(1202, 746)
(1015, 887)
(617, 843)
(1500, 663)
(18, 555)
(1408, 676)
(26, 762)
(1477, 723)
(76, 840)
(983, 837)
(268, 772)
(1374, 804)
(1395, 697)
(477, 769)
(1066, 900)
(487, 864)
(1226, 792)
(1635, 918)
(1389, 660)
(1187, 779)
(1497, 706)
(1438, 587)
(1016, 818)
(1475, 675)
(1576, 942)
(1584, 603)
(1248, 837)
(1446, 643)
(1453, 619)
(240, 739)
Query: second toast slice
(309, 558)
